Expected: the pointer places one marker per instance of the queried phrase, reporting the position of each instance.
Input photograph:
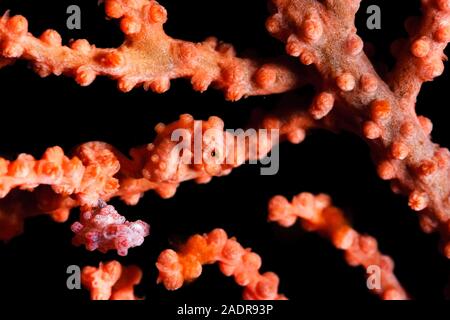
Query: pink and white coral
(103, 229)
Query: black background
(38, 113)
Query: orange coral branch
(99, 171)
(95, 162)
(148, 56)
(317, 214)
(186, 265)
(111, 281)
(323, 34)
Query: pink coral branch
(317, 214)
(103, 228)
(215, 247)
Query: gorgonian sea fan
(323, 51)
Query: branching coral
(349, 95)
(148, 56)
(323, 34)
(176, 268)
(317, 214)
(99, 171)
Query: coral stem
(317, 214)
(148, 57)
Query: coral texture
(349, 95)
(383, 113)
(99, 171)
(104, 229)
(215, 247)
(317, 214)
(111, 281)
